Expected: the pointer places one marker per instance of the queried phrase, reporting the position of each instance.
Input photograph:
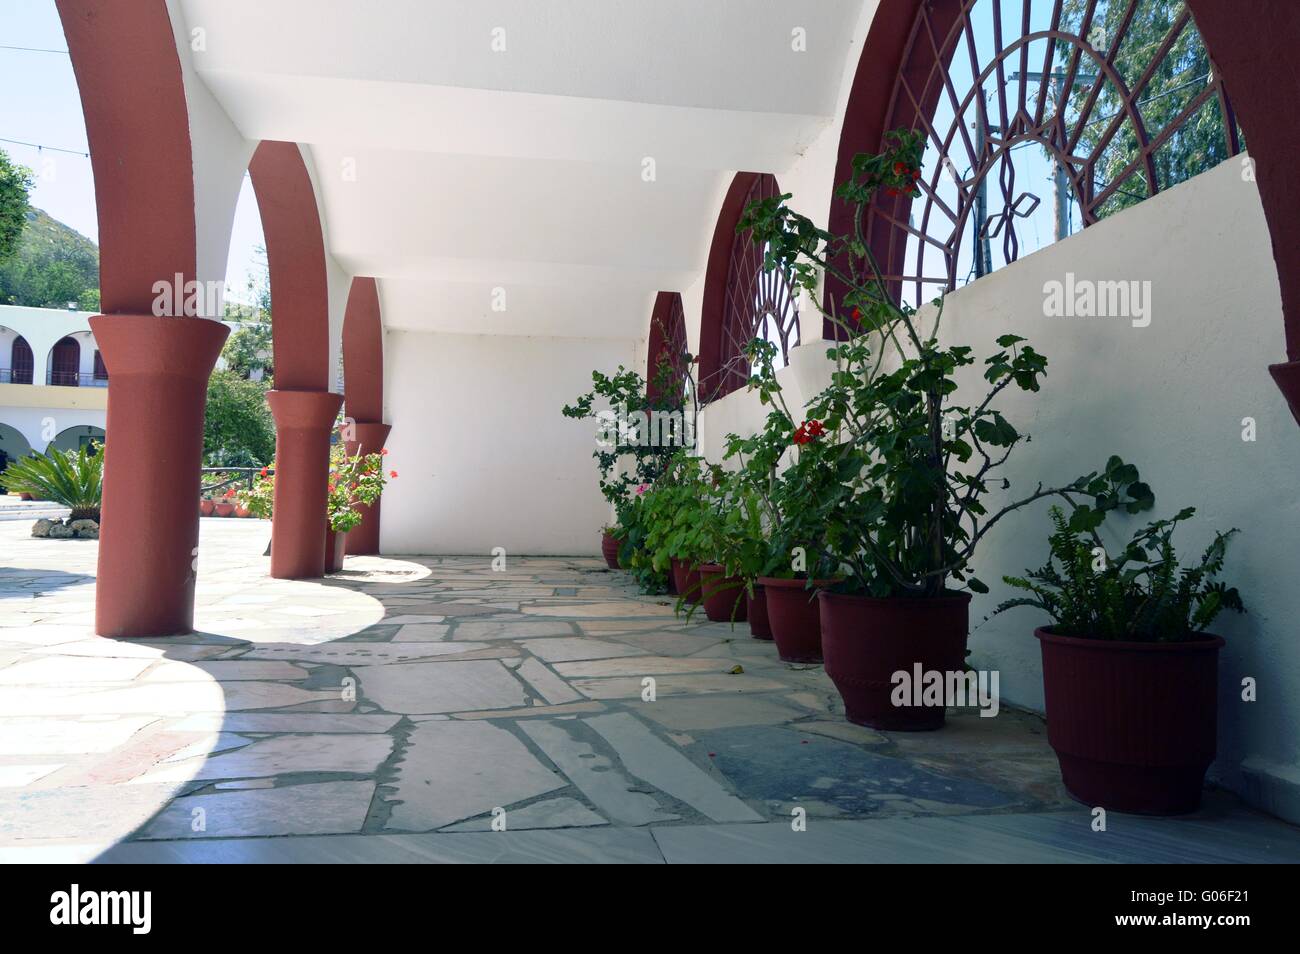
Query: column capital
(365, 437)
(303, 410)
(147, 345)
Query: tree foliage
(15, 184)
(238, 430)
(1198, 144)
(51, 266)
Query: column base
(303, 421)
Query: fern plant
(74, 479)
(1143, 596)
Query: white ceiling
(522, 169)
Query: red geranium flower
(900, 168)
(384, 452)
(265, 471)
(392, 473)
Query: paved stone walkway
(393, 711)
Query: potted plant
(1130, 674)
(225, 505)
(354, 481)
(258, 498)
(640, 427)
(902, 463)
(788, 564)
(206, 505)
(609, 546)
(679, 521)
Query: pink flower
(642, 489)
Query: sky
(41, 106)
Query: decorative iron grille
(668, 372)
(759, 303)
(1041, 117)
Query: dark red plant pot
(609, 550)
(206, 507)
(756, 608)
(722, 595)
(335, 549)
(865, 641)
(793, 618)
(223, 508)
(686, 579)
(1134, 725)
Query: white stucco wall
(484, 457)
(1170, 398)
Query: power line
(33, 49)
(38, 146)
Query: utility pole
(1062, 184)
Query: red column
(366, 438)
(149, 532)
(303, 421)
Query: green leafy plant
(74, 479)
(237, 427)
(896, 492)
(1143, 595)
(641, 430)
(259, 499)
(354, 481)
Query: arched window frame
(741, 298)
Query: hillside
(54, 265)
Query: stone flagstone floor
(393, 711)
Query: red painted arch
(363, 353)
(295, 255)
(137, 124)
(713, 310)
(1254, 59)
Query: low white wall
(1170, 398)
(485, 458)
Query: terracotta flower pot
(609, 550)
(793, 618)
(242, 511)
(206, 507)
(223, 508)
(756, 609)
(335, 549)
(722, 595)
(686, 579)
(1133, 724)
(865, 641)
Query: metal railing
(75, 379)
(15, 375)
(242, 476)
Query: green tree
(249, 348)
(15, 184)
(1181, 74)
(52, 266)
(238, 430)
